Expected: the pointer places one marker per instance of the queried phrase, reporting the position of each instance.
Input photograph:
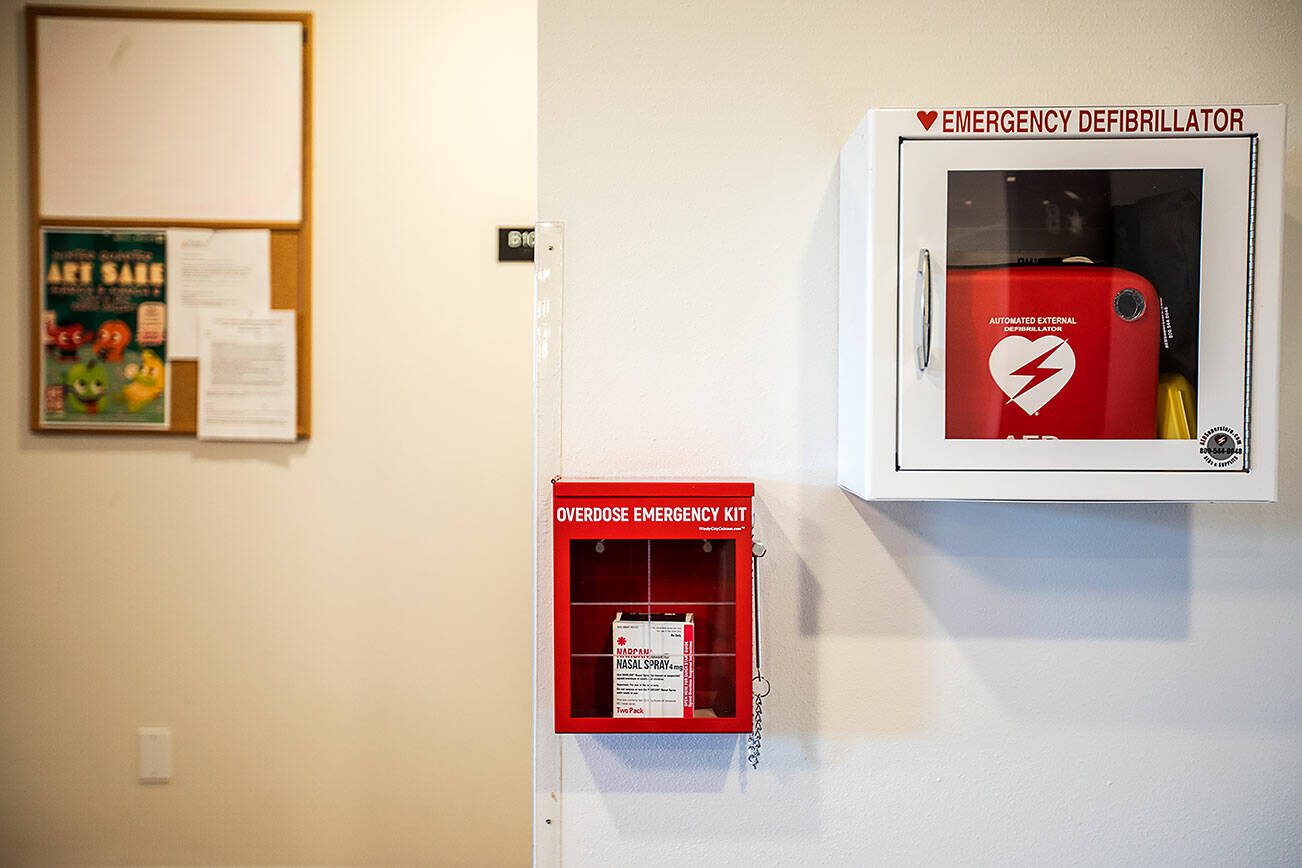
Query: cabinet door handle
(923, 294)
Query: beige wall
(337, 631)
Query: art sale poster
(104, 328)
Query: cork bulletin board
(142, 119)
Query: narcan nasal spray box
(654, 673)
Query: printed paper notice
(225, 270)
(247, 376)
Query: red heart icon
(927, 119)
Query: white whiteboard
(170, 119)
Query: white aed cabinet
(1061, 303)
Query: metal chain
(757, 731)
(759, 685)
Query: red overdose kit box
(652, 600)
(653, 664)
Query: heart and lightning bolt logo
(1035, 372)
(1030, 372)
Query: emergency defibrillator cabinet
(1061, 303)
(652, 585)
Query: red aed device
(1050, 351)
(652, 603)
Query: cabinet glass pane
(1072, 303)
(653, 582)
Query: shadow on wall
(660, 762)
(687, 764)
(1047, 571)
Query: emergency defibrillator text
(1113, 120)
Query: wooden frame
(291, 243)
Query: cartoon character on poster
(104, 328)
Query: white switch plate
(155, 765)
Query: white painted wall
(336, 631)
(971, 683)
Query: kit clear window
(634, 581)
